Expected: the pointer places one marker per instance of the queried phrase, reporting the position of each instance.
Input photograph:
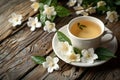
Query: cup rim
(90, 17)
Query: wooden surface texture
(17, 45)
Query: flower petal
(95, 56)
(50, 69)
(49, 58)
(55, 60)
(32, 28)
(32, 0)
(49, 26)
(56, 66)
(38, 25)
(71, 3)
(91, 50)
(49, 11)
(88, 56)
(45, 64)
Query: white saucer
(112, 45)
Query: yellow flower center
(48, 10)
(51, 64)
(16, 19)
(88, 55)
(72, 57)
(33, 23)
(50, 26)
(65, 48)
(36, 5)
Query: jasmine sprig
(60, 10)
(81, 26)
(103, 53)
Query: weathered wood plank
(14, 47)
(22, 62)
(68, 72)
(20, 40)
(40, 72)
(8, 7)
(16, 50)
(107, 71)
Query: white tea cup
(95, 37)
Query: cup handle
(108, 40)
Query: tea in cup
(87, 32)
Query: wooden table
(17, 45)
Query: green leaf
(62, 37)
(38, 16)
(52, 18)
(48, 2)
(54, 3)
(117, 3)
(43, 18)
(38, 59)
(41, 7)
(77, 51)
(102, 8)
(104, 53)
(62, 11)
(81, 26)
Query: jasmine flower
(71, 3)
(15, 19)
(101, 3)
(82, 12)
(49, 26)
(51, 64)
(33, 23)
(64, 47)
(88, 56)
(72, 57)
(91, 10)
(112, 16)
(35, 6)
(67, 52)
(49, 11)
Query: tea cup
(86, 37)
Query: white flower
(71, 3)
(82, 12)
(49, 11)
(112, 16)
(49, 26)
(91, 10)
(35, 6)
(67, 52)
(33, 0)
(33, 23)
(88, 56)
(15, 19)
(72, 57)
(51, 63)
(78, 7)
(101, 3)
(64, 47)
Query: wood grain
(17, 45)
(8, 7)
